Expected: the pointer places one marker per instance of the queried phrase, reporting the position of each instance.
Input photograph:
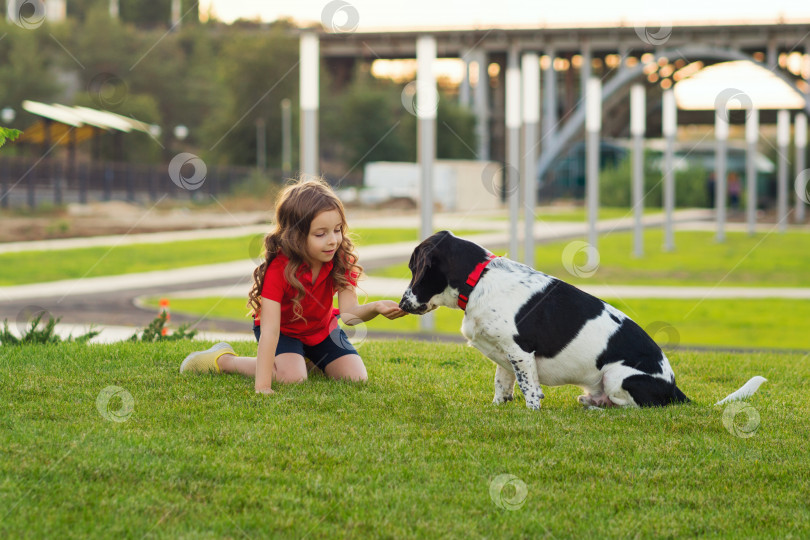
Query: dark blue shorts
(322, 354)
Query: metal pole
(512, 179)
(426, 99)
(782, 142)
(586, 69)
(670, 128)
(593, 125)
(530, 70)
(720, 171)
(481, 105)
(751, 137)
(176, 16)
(550, 101)
(427, 104)
(638, 120)
(464, 86)
(801, 148)
(309, 83)
(286, 137)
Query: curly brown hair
(297, 205)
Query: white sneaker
(206, 361)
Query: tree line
(216, 79)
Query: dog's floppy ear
(428, 254)
(422, 259)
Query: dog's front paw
(533, 398)
(533, 405)
(497, 400)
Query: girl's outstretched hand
(389, 309)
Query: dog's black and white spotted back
(540, 330)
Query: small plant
(35, 335)
(155, 331)
(8, 134)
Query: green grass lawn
(39, 266)
(418, 451)
(762, 260)
(766, 323)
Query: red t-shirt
(317, 304)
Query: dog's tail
(747, 390)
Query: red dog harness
(472, 280)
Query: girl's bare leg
(349, 367)
(288, 368)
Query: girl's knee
(290, 368)
(348, 368)
(291, 374)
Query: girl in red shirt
(308, 258)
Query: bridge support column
(481, 104)
(720, 170)
(585, 70)
(512, 174)
(638, 120)
(670, 129)
(309, 82)
(550, 119)
(464, 86)
(530, 70)
(782, 143)
(593, 125)
(802, 192)
(427, 103)
(751, 138)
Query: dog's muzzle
(409, 304)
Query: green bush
(615, 185)
(154, 332)
(46, 334)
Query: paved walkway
(447, 221)
(235, 270)
(394, 288)
(229, 279)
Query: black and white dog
(538, 329)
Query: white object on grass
(747, 390)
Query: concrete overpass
(587, 74)
(573, 55)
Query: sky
(370, 15)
